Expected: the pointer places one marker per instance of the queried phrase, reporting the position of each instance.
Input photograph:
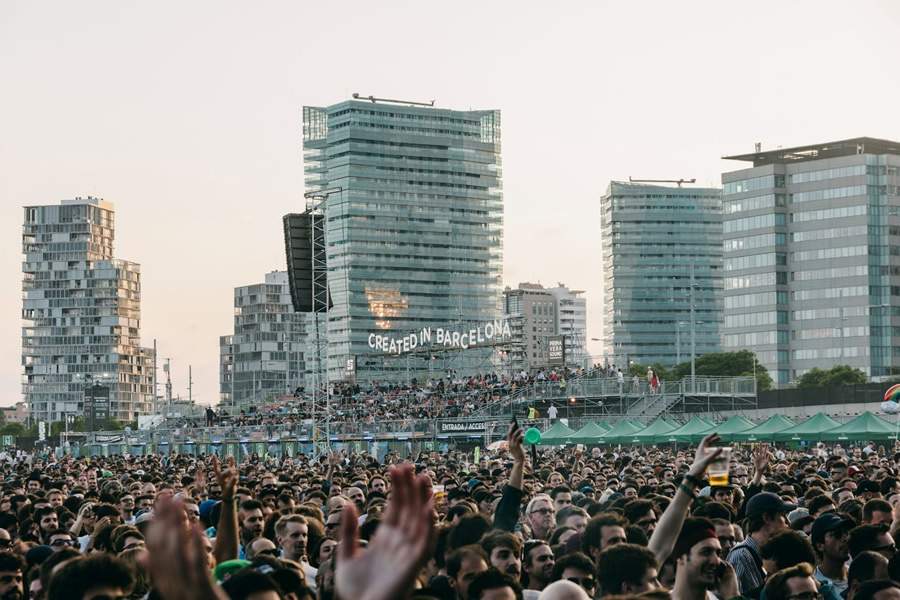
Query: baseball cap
(828, 522)
(767, 502)
(868, 486)
(797, 514)
(482, 495)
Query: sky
(187, 116)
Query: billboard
(96, 405)
(556, 350)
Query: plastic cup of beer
(718, 469)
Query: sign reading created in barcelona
(441, 337)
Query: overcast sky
(186, 115)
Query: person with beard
(830, 539)
(357, 497)
(12, 586)
(538, 564)
(292, 533)
(699, 570)
(504, 551)
(251, 522)
(47, 520)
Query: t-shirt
(840, 586)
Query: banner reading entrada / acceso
(438, 336)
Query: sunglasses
(269, 552)
(5, 543)
(7, 579)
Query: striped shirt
(747, 565)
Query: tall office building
(661, 254)
(812, 257)
(571, 322)
(82, 314)
(414, 234)
(532, 316)
(266, 355)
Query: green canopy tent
(727, 429)
(809, 430)
(864, 427)
(589, 434)
(606, 425)
(765, 431)
(686, 432)
(621, 433)
(654, 432)
(556, 435)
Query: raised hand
(704, 456)
(226, 479)
(760, 462)
(176, 557)
(387, 568)
(761, 457)
(514, 442)
(727, 583)
(200, 477)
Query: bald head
(564, 590)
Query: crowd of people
(791, 524)
(450, 396)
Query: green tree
(12, 429)
(835, 376)
(727, 364)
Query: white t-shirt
(553, 411)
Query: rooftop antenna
(373, 100)
(678, 181)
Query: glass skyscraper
(812, 257)
(661, 254)
(414, 238)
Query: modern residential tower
(662, 272)
(413, 229)
(266, 355)
(82, 314)
(812, 257)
